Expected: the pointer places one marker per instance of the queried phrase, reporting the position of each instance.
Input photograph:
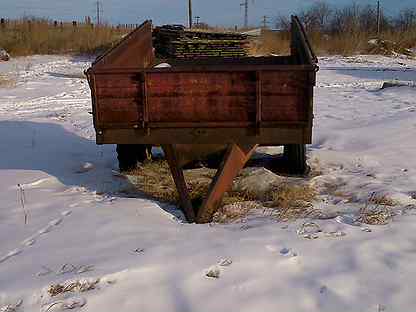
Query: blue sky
(215, 12)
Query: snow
(84, 223)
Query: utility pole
(190, 13)
(245, 5)
(197, 20)
(264, 21)
(378, 19)
(98, 12)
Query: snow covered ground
(132, 254)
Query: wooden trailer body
(240, 102)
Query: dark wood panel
(284, 108)
(134, 50)
(283, 83)
(201, 109)
(124, 92)
(268, 136)
(116, 81)
(119, 111)
(201, 97)
(198, 84)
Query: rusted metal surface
(237, 102)
(201, 97)
(119, 99)
(234, 160)
(172, 153)
(301, 49)
(133, 51)
(268, 136)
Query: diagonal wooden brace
(234, 160)
(178, 177)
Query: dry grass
(154, 179)
(7, 82)
(38, 36)
(341, 44)
(286, 201)
(76, 286)
(377, 210)
(271, 43)
(235, 211)
(290, 201)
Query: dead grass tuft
(76, 286)
(290, 202)
(271, 43)
(286, 201)
(7, 82)
(235, 211)
(154, 179)
(377, 210)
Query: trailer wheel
(129, 154)
(295, 155)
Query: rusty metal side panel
(119, 100)
(284, 96)
(201, 97)
(133, 51)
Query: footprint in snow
(45, 230)
(55, 222)
(29, 241)
(66, 213)
(288, 252)
(10, 254)
(85, 168)
(271, 248)
(215, 270)
(66, 304)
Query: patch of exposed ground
(255, 188)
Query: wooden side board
(264, 136)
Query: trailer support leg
(177, 174)
(234, 160)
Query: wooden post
(378, 19)
(190, 13)
(178, 177)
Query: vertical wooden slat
(145, 104)
(258, 101)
